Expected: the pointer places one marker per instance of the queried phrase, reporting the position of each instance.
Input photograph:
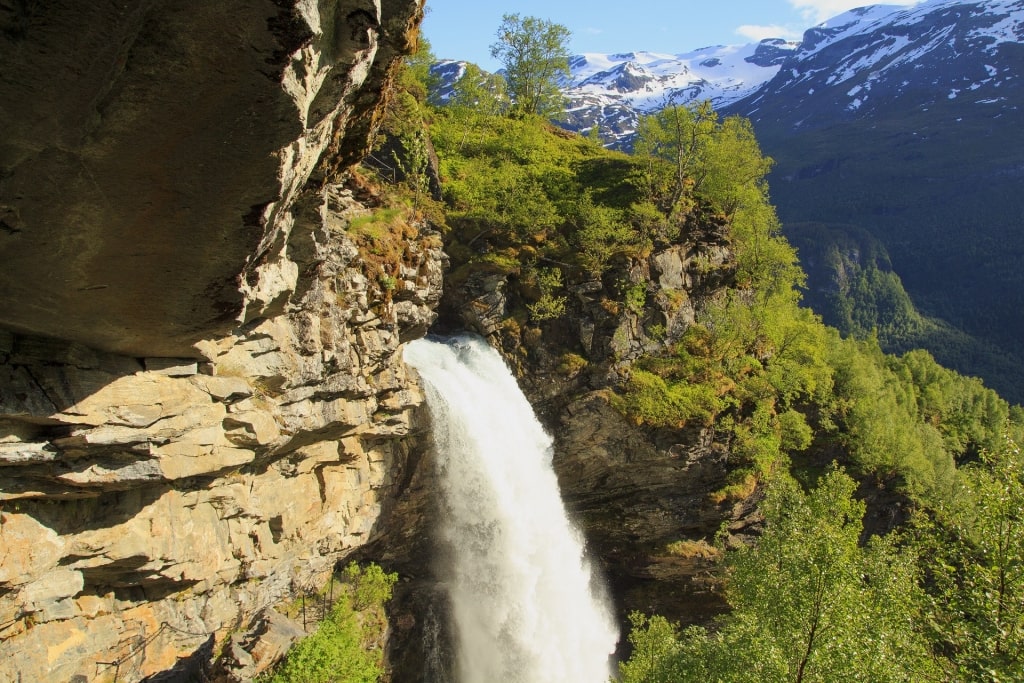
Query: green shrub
(348, 645)
(649, 399)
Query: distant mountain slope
(907, 122)
(611, 91)
(903, 121)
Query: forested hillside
(889, 487)
(903, 121)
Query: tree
(478, 92)
(679, 136)
(975, 546)
(415, 76)
(809, 604)
(534, 53)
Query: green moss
(571, 364)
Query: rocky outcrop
(202, 404)
(152, 153)
(153, 504)
(643, 496)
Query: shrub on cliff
(348, 645)
(810, 603)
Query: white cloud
(593, 31)
(817, 11)
(756, 33)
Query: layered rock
(151, 505)
(202, 403)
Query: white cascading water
(525, 604)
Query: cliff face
(641, 495)
(152, 153)
(201, 405)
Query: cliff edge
(201, 408)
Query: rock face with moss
(201, 404)
(642, 495)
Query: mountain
(873, 60)
(906, 122)
(901, 121)
(611, 91)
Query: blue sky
(464, 29)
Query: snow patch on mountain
(612, 90)
(855, 62)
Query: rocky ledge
(152, 506)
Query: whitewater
(526, 605)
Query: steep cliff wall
(641, 495)
(152, 151)
(201, 408)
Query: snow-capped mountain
(878, 58)
(855, 62)
(611, 91)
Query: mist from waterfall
(526, 606)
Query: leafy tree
(600, 232)
(348, 643)
(974, 543)
(678, 135)
(535, 54)
(878, 423)
(479, 93)
(809, 604)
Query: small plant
(571, 364)
(694, 549)
(743, 486)
(548, 306)
(348, 644)
(636, 297)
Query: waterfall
(525, 604)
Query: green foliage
(690, 153)
(600, 232)
(478, 94)
(415, 77)
(636, 297)
(651, 400)
(347, 645)
(534, 53)
(537, 198)
(655, 648)
(970, 417)
(975, 545)
(679, 137)
(879, 425)
(809, 604)
(549, 305)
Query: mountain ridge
(893, 118)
